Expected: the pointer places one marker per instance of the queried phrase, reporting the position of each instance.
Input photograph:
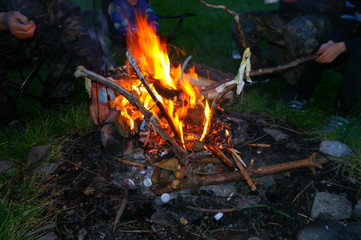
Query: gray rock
(38, 153)
(335, 148)
(330, 230)
(5, 167)
(221, 190)
(330, 206)
(278, 135)
(356, 213)
(48, 169)
(267, 181)
(48, 236)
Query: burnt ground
(90, 187)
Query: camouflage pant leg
(7, 61)
(258, 26)
(303, 36)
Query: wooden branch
(154, 97)
(244, 173)
(83, 72)
(220, 178)
(236, 17)
(262, 71)
(219, 7)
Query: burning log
(220, 178)
(220, 155)
(154, 97)
(83, 72)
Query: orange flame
(153, 61)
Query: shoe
(337, 123)
(296, 105)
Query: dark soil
(90, 187)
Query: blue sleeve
(121, 24)
(152, 18)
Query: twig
(236, 17)
(259, 145)
(211, 210)
(221, 157)
(121, 208)
(130, 163)
(299, 194)
(244, 173)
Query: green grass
(207, 38)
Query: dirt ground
(92, 186)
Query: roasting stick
(83, 72)
(154, 97)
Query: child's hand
(329, 51)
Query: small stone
(278, 135)
(147, 182)
(38, 153)
(218, 216)
(335, 148)
(330, 230)
(5, 167)
(48, 236)
(330, 206)
(48, 169)
(165, 197)
(356, 213)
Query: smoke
(99, 31)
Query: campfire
(162, 106)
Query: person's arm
(330, 50)
(152, 18)
(17, 24)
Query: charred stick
(83, 72)
(205, 180)
(221, 157)
(154, 97)
(263, 71)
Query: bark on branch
(205, 180)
